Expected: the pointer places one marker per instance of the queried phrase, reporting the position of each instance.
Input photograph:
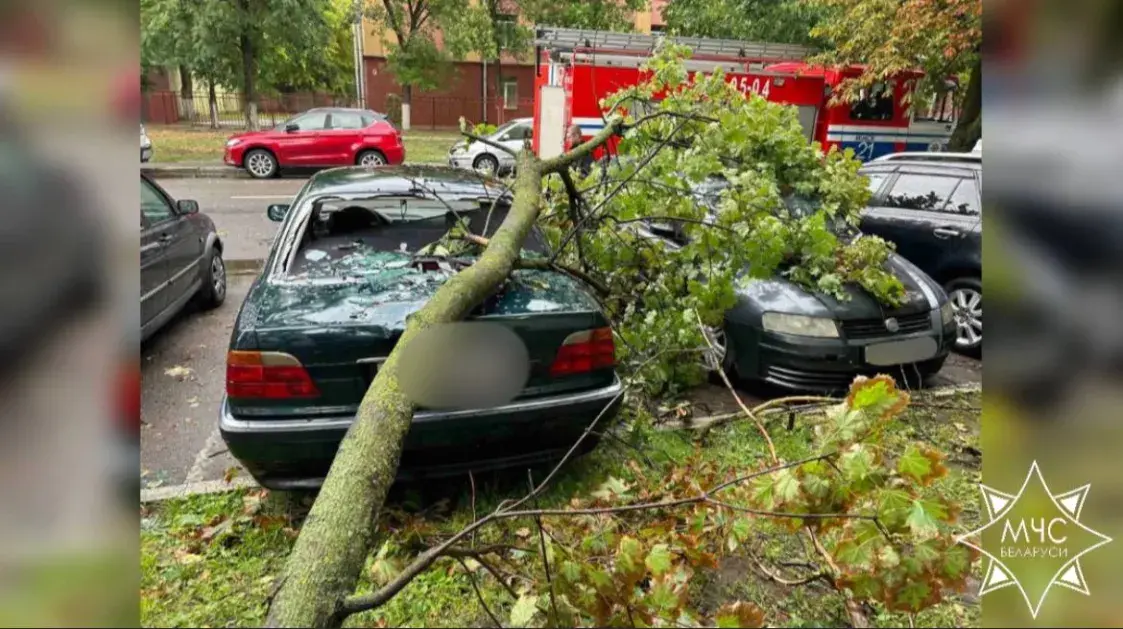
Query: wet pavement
(184, 373)
(237, 207)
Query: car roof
(934, 167)
(350, 180)
(930, 156)
(356, 110)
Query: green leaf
(857, 463)
(957, 561)
(921, 522)
(913, 594)
(570, 571)
(894, 507)
(629, 558)
(739, 614)
(524, 611)
(787, 486)
(914, 464)
(659, 559)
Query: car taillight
(128, 398)
(267, 375)
(582, 352)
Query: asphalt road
(184, 372)
(238, 209)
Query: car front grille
(872, 328)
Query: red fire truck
(575, 69)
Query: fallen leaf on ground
(186, 558)
(178, 371)
(231, 472)
(212, 532)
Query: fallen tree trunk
(331, 550)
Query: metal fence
(227, 110)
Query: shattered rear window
(392, 234)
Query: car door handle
(945, 232)
(165, 239)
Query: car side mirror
(292, 127)
(186, 206)
(277, 212)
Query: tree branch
(729, 385)
(546, 265)
(545, 559)
(647, 159)
(566, 160)
(493, 144)
(479, 595)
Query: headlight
(232, 142)
(799, 325)
(947, 313)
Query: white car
(514, 134)
(145, 146)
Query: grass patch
(177, 144)
(212, 560)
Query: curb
(244, 267)
(173, 492)
(172, 171)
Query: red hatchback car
(322, 137)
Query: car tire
(728, 364)
(371, 159)
(966, 296)
(213, 291)
(260, 164)
(486, 163)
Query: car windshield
(505, 128)
(359, 235)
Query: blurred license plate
(901, 352)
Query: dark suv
(932, 211)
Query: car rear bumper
(297, 453)
(829, 366)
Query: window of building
(510, 94)
(505, 30)
(876, 103)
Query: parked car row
(342, 278)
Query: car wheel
(213, 291)
(370, 159)
(261, 164)
(720, 359)
(486, 164)
(966, 296)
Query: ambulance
(575, 69)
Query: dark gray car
(180, 257)
(932, 211)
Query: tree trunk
(331, 550)
(249, 69)
(407, 99)
(187, 92)
(212, 102)
(969, 127)
(333, 545)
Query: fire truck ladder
(572, 41)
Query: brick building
(473, 91)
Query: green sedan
(358, 251)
